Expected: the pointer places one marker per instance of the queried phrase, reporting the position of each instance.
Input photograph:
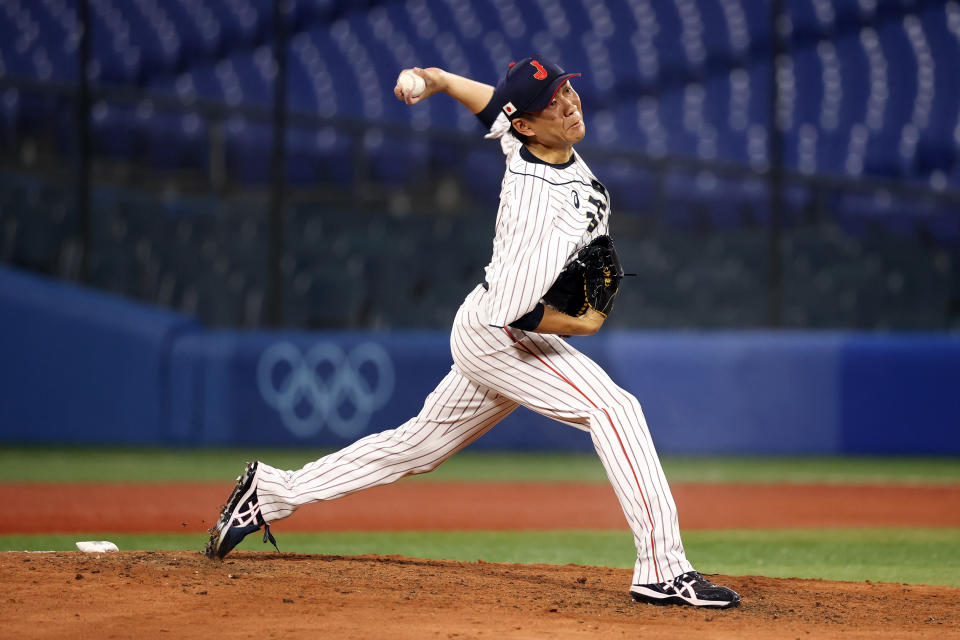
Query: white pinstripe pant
(495, 371)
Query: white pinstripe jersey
(547, 213)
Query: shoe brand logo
(325, 385)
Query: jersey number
(596, 217)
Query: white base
(97, 546)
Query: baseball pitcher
(554, 272)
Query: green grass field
(918, 556)
(75, 464)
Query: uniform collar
(527, 155)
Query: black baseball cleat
(689, 588)
(239, 517)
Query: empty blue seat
(200, 30)
(243, 23)
(483, 173)
(248, 150)
(251, 72)
(632, 189)
(320, 157)
(177, 140)
(116, 130)
(395, 160)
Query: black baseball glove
(590, 279)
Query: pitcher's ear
(522, 126)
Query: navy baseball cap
(530, 85)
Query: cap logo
(541, 72)
(509, 109)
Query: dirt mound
(263, 595)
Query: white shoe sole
(649, 596)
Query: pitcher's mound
(179, 594)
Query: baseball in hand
(411, 83)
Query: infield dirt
(462, 506)
(180, 594)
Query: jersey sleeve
(498, 125)
(489, 112)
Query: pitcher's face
(559, 124)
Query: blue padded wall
(80, 366)
(83, 367)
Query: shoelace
(252, 516)
(269, 536)
(686, 583)
(249, 516)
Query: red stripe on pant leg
(653, 545)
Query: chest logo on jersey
(595, 215)
(576, 199)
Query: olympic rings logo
(325, 385)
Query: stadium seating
(868, 90)
(868, 71)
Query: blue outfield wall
(80, 366)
